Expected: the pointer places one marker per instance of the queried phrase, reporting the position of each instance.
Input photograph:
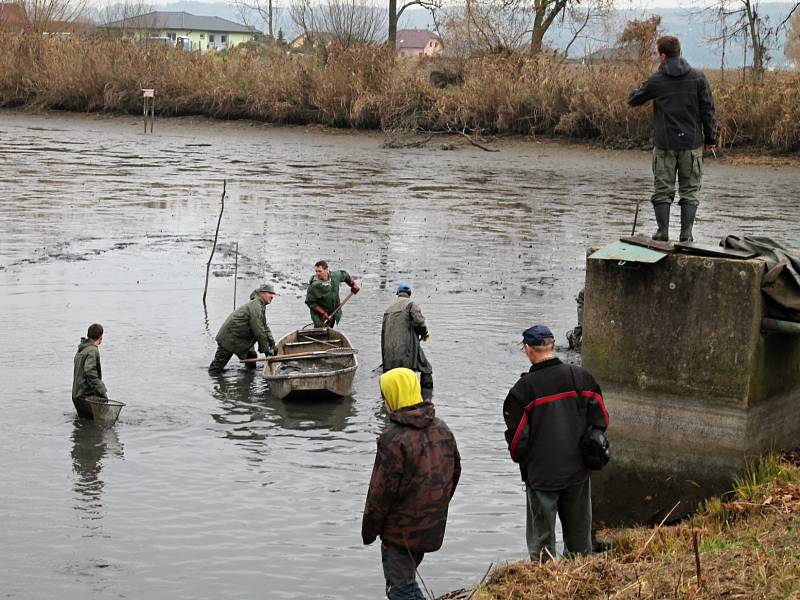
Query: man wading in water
(87, 376)
(243, 328)
(403, 329)
(322, 296)
(683, 118)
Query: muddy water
(205, 488)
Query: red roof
(414, 38)
(13, 16)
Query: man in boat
(547, 413)
(403, 329)
(416, 471)
(322, 296)
(87, 375)
(243, 328)
(683, 121)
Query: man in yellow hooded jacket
(407, 507)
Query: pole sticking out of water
(235, 274)
(216, 235)
(149, 99)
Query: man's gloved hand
(354, 287)
(322, 313)
(272, 351)
(426, 335)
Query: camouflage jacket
(416, 472)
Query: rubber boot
(662, 220)
(688, 211)
(426, 380)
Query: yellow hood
(400, 388)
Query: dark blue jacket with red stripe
(546, 413)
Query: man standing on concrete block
(683, 119)
(547, 412)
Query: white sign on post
(148, 93)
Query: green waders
(687, 166)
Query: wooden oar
(318, 353)
(341, 304)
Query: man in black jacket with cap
(546, 414)
(683, 120)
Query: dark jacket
(87, 375)
(683, 107)
(246, 325)
(403, 324)
(416, 471)
(546, 413)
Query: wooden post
(149, 99)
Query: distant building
(306, 43)
(417, 43)
(13, 17)
(184, 30)
(617, 54)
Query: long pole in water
(235, 274)
(216, 235)
(636, 216)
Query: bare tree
(265, 10)
(127, 15)
(640, 36)
(396, 11)
(792, 49)
(42, 14)
(497, 25)
(742, 19)
(348, 22)
(579, 20)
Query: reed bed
(365, 88)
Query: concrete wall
(693, 386)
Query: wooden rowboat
(312, 362)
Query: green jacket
(325, 294)
(87, 377)
(244, 327)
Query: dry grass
(749, 548)
(365, 88)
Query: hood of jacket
(254, 294)
(85, 343)
(400, 388)
(675, 67)
(418, 416)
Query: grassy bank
(748, 546)
(364, 88)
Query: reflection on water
(91, 447)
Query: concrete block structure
(694, 386)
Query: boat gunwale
(319, 374)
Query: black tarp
(781, 283)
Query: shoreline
(743, 544)
(440, 141)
